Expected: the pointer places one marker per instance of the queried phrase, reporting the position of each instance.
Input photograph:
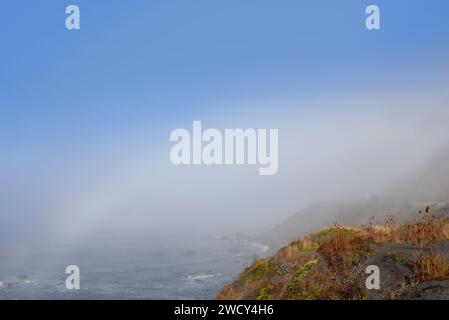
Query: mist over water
(176, 268)
(139, 227)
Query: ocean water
(184, 268)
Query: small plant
(264, 294)
(399, 258)
(342, 247)
(262, 268)
(301, 274)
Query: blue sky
(153, 61)
(138, 69)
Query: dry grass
(432, 267)
(424, 233)
(342, 247)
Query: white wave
(244, 241)
(260, 246)
(203, 276)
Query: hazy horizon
(86, 123)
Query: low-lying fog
(334, 147)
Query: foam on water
(203, 276)
(171, 269)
